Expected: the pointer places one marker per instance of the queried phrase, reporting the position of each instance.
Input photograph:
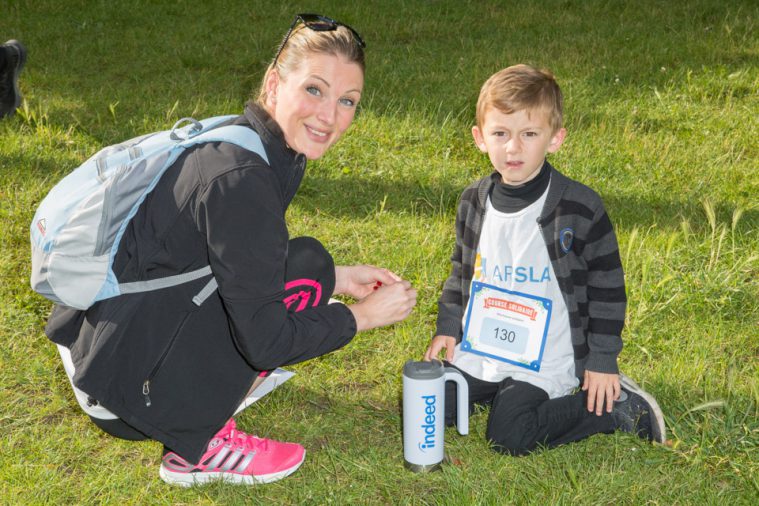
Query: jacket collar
(288, 164)
(556, 187)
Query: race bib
(506, 325)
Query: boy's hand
(437, 345)
(358, 281)
(601, 387)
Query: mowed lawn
(661, 109)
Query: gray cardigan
(584, 253)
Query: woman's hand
(389, 304)
(439, 343)
(358, 281)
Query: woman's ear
(272, 84)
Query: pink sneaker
(235, 457)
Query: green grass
(662, 108)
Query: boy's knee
(512, 431)
(509, 443)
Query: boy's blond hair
(522, 87)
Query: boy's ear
(479, 139)
(557, 140)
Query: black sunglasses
(317, 23)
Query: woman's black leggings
(309, 281)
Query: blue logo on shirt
(520, 274)
(566, 238)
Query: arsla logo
(429, 423)
(42, 225)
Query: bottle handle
(462, 395)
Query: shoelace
(247, 442)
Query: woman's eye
(348, 102)
(313, 90)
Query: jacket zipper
(159, 363)
(146, 393)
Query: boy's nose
(513, 145)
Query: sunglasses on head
(317, 23)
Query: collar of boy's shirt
(511, 199)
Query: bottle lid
(423, 370)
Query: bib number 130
(504, 335)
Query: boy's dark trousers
(523, 417)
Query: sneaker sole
(660, 430)
(191, 479)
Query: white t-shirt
(512, 255)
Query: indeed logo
(429, 422)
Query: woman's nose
(327, 113)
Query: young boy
(536, 299)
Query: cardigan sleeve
(607, 300)
(450, 304)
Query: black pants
(309, 281)
(523, 417)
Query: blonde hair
(522, 87)
(304, 42)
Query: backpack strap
(206, 292)
(155, 284)
(234, 134)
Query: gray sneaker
(10, 67)
(638, 412)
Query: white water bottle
(424, 412)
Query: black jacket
(171, 369)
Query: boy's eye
(499, 134)
(348, 102)
(313, 90)
(531, 134)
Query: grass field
(662, 110)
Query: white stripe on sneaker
(218, 459)
(245, 462)
(232, 460)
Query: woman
(166, 369)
